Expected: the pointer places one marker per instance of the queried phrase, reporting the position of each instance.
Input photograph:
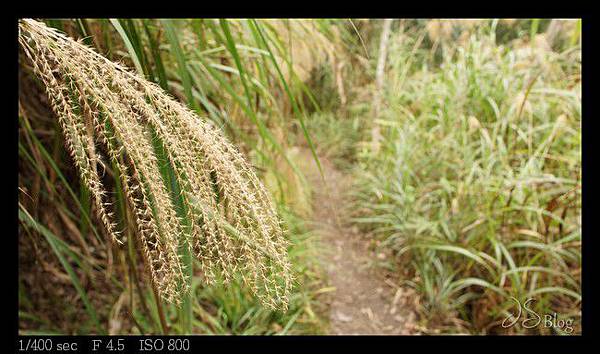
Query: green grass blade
(186, 80)
(156, 55)
(290, 96)
(128, 45)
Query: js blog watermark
(534, 319)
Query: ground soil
(366, 299)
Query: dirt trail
(363, 301)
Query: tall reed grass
(161, 177)
(477, 187)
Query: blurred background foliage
(476, 183)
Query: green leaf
(128, 45)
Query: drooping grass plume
(109, 114)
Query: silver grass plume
(231, 225)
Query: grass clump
(477, 186)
